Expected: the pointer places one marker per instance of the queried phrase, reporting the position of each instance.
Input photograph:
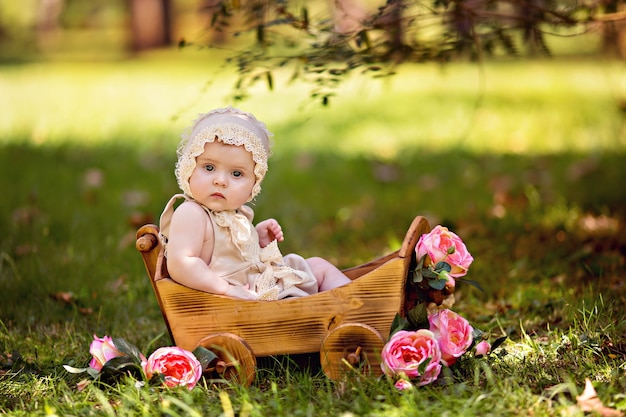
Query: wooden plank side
(290, 326)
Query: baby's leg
(327, 274)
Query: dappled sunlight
(552, 107)
(599, 225)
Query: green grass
(524, 160)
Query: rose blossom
(402, 384)
(102, 349)
(453, 332)
(406, 351)
(438, 244)
(483, 348)
(178, 366)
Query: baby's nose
(220, 179)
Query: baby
(211, 243)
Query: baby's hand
(269, 230)
(241, 292)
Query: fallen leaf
(138, 218)
(93, 178)
(589, 401)
(63, 296)
(83, 384)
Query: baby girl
(211, 242)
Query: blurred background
(117, 29)
(517, 145)
(71, 60)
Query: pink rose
(402, 384)
(483, 348)
(443, 245)
(178, 366)
(407, 352)
(453, 332)
(102, 349)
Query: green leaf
(418, 317)
(471, 282)
(445, 275)
(362, 38)
(121, 364)
(477, 334)
(429, 274)
(422, 366)
(128, 349)
(496, 343)
(443, 266)
(420, 263)
(204, 355)
(270, 81)
(260, 34)
(437, 284)
(398, 323)
(418, 276)
(73, 370)
(305, 17)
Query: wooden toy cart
(347, 325)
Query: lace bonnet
(228, 125)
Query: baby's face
(223, 177)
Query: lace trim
(241, 233)
(232, 133)
(275, 271)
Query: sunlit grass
(534, 107)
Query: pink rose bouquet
(441, 259)
(453, 333)
(414, 355)
(430, 335)
(176, 366)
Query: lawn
(524, 160)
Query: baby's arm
(190, 247)
(268, 231)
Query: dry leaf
(63, 296)
(138, 218)
(83, 384)
(93, 178)
(589, 401)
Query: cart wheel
(349, 347)
(235, 360)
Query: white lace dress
(239, 259)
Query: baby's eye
(209, 167)
(237, 174)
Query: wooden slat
(289, 326)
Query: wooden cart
(347, 325)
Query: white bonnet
(228, 125)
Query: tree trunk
(614, 30)
(150, 22)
